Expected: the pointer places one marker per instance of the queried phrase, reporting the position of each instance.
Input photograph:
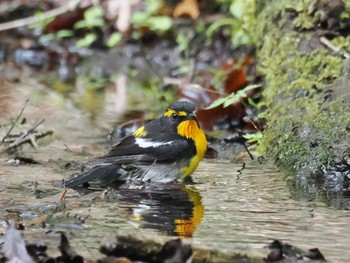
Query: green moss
(342, 42)
(305, 18)
(304, 121)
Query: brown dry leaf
(241, 156)
(236, 77)
(63, 195)
(187, 8)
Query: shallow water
(223, 209)
(257, 206)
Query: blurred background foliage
(113, 56)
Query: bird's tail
(102, 174)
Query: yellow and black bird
(165, 150)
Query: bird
(165, 150)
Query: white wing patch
(146, 143)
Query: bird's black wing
(134, 149)
(160, 143)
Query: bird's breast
(191, 130)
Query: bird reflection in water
(174, 211)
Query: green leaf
(237, 8)
(216, 103)
(80, 24)
(153, 6)
(87, 40)
(93, 12)
(114, 39)
(160, 23)
(253, 137)
(182, 41)
(47, 37)
(64, 33)
(240, 37)
(249, 136)
(138, 18)
(93, 17)
(217, 24)
(233, 97)
(155, 23)
(41, 22)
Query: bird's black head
(184, 106)
(180, 110)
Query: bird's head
(181, 115)
(182, 109)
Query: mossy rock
(306, 92)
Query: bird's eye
(174, 117)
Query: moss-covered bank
(307, 90)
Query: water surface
(224, 209)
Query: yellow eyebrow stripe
(182, 113)
(169, 112)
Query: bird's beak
(193, 116)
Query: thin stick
(36, 126)
(25, 140)
(245, 146)
(14, 124)
(239, 171)
(20, 138)
(33, 19)
(331, 46)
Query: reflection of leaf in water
(40, 219)
(66, 220)
(92, 101)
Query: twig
(331, 46)
(22, 137)
(67, 148)
(33, 19)
(243, 143)
(30, 138)
(36, 126)
(14, 124)
(246, 148)
(252, 123)
(239, 171)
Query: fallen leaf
(187, 8)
